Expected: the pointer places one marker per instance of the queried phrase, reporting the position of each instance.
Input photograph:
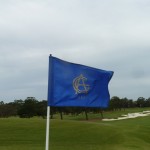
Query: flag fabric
(71, 84)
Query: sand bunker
(130, 115)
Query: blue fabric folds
(71, 84)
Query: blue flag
(73, 84)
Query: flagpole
(49, 97)
(47, 128)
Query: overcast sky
(106, 34)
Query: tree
(115, 103)
(140, 102)
(131, 103)
(124, 103)
(1, 103)
(147, 102)
(29, 108)
(41, 108)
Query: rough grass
(74, 134)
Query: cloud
(112, 35)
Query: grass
(74, 134)
(22, 134)
(131, 134)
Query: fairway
(22, 134)
(131, 134)
(29, 134)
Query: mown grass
(22, 134)
(131, 134)
(76, 134)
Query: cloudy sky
(106, 34)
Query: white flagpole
(48, 106)
(47, 128)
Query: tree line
(31, 107)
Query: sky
(110, 35)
